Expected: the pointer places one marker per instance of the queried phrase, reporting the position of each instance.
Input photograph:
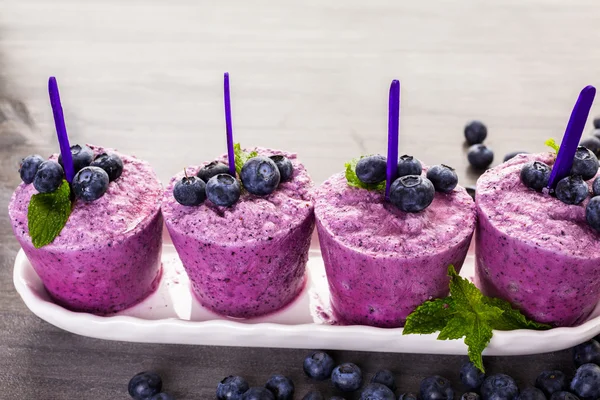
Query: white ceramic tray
(172, 315)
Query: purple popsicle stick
(568, 147)
(61, 129)
(230, 154)
(393, 129)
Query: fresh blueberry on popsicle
(260, 176)
(223, 190)
(232, 388)
(475, 132)
(111, 163)
(90, 183)
(371, 169)
(212, 169)
(29, 166)
(286, 169)
(480, 156)
(535, 175)
(572, 190)
(592, 213)
(412, 193)
(48, 177)
(408, 165)
(82, 157)
(443, 177)
(190, 191)
(585, 163)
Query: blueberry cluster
(479, 155)
(259, 175)
(92, 174)
(572, 189)
(410, 191)
(147, 386)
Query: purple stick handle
(230, 153)
(393, 129)
(61, 129)
(575, 127)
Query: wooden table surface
(307, 76)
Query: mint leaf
(552, 143)
(511, 318)
(477, 340)
(431, 316)
(459, 326)
(241, 157)
(48, 214)
(355, 182)
(464, 292)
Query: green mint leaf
(459, 326)
(431, 316)
(48, 214)
(552, 143)
(241, 157)
(511, 318)
(355, 182)
(464, 292)
(477, 340)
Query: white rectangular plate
(173, 315)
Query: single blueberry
(371, 169)
(531, 393)
(586, 382)
(232, 388)
(346, 377)
(212, 169)
(407, 165)
(412, 193)
(596, 186)
(286, 169)
(585, 164)
(82, 157)
(313, 395)
(281, 386)
(190, 191)
(535, 175)
(162, 396)
(551, 381)
(471, 191)
(471, 376)
(111, 163)
(407, 396)
(223, 190)
(318, 365)
(597, 122)
(90, 183)
(469, 396)
(436, 388)
(385, 377)
(596, 133)
(563, 396)
(475, 132)
(48, 177)
(513, 154)
(377, 391)
(480, 156)
(592, 143)
(144, 385)
(258, 393)
(592, 213)
(336, 398)
(587, 352)
(572, 190)
(260, 176)
(499, 387)
(29, 166)
(443, 177)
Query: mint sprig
(355, 182)
(241, 157)
(47, 214)
(552, 143)
(467, 313)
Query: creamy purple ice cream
(249, 259)
(534, 250)
(107, 256)
(381, 262)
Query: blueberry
(586, 382)
(563, 396)
(281, 386)
(475, 132)
(587, 352)
(407, 396)
(48, 177)
(82, 157)
(318, 365)
(258, 393)
(591, 143)
(571, 190)
(480, 156)
(436, 388)
(407, 165)
(499, 387)
(336, 398)
(585, 164)
(531, 393)
(212, 169)
(471, 376)
(412, 193)
(190, 191)
(90, 183)
(313, 395)
(513, 154)
(162, 396)
(469, 396)
(346, 377)
(377, 391)
(551, 381)
(371, 169)
(285, 167)
(385, 377)
(596, 186)
(260, 176)
(535, 175)
(596, 133)
(443, 177)
(144, 385)
(111, 163)
(597, 122)
(471, 190)
(232, 388)
(29, 166)
(223, 190)
(592, 213)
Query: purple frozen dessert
(249, 259)
(382, 263)
(107, 256)
(533, 250)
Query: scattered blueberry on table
(407, 396)
(162, 396)
(313, 395)
(563, 396)
(531, 393)
(347, 377)
(436, 388)
(586, 352)
(145, 385)
(592, 143)
(551, 381)
(470, 396)
(318, 365)
(586, 382)
(281, 386)
(597, 122)
(480, 156)
(232, 388)
(385, 377)
(377, 391)
(475, 132)
(258, 393)
(471, 376)
(499, 387)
